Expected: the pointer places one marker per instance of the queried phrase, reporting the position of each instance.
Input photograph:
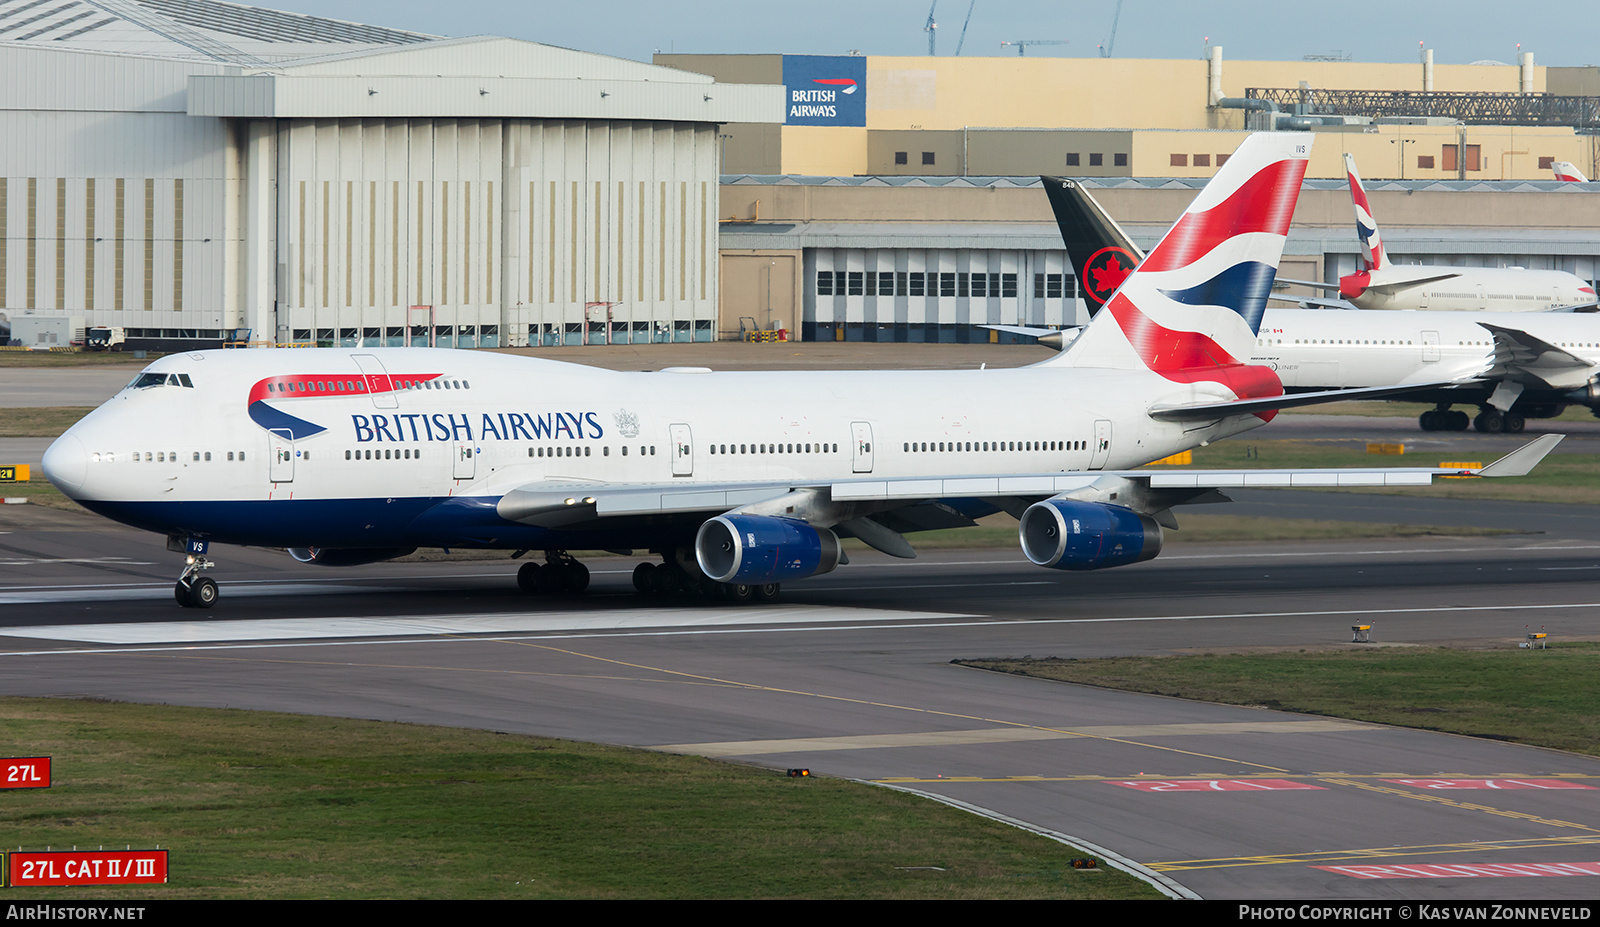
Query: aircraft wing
(1396, 277)
(1313, 284)
(1578, 307)
(1209, 411)
(559, 504)
(1518, 354)
(1313, 302)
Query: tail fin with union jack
(1190, 312)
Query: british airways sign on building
(825, 90)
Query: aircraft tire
(550, 578)
(1514, 423)
(1493, 421)
(181, 593)
(737, 593)
(644, 578)
(1458, 420)
(766, 593)
(528, 578)
(1427, 421)
(203, 592)
(574, 578)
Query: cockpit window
(144, 380)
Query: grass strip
(1541, 697)
(41, 421)
(266, 805)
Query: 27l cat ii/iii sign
(103, 867)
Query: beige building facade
(1112, 117)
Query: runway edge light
(799, 774)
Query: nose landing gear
(194, 590)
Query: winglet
(1521, 461)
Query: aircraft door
(861, 447)
(1430, 347)
(466, 462)
(682, 450)
(281, 465)
(378, 384)
(1102, 444)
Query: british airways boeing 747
(740, 481)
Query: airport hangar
(189, 168)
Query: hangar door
(762, 289)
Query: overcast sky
(1460, 32)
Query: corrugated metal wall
(511, 231)
(120, 216)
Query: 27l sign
(25, 772)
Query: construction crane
(1105, 50)
(931, 28)
(963, 40)
(1022, 44)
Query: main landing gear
(1489, 421)
(194, 590)
(672, 576)
(559, 575)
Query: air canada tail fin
(1568, 172)
(1102, 254)
(1191, 311)
(1366, 226)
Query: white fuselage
(218, 456)
(1330, 349)
(1470, 289)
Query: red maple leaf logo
(1108, 276)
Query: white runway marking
(204, 632)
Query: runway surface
(851, 676)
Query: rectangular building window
(1096, 159)
(947, 284)
(1546, 164)
(872, 283)
(1449, 158)
(1179, 160)
(1425, 162)
(900, 157)
(1474, 157)
(854, 283)
(1120, 159)
(1202, 160)
(1222, 159)
(917, 284)
(980, 284)
(963, 284)
(900, 283)
(927, 157)
(1072, 159)
(886, 284)
(1008, 286)
(824, 283)
(1046, 286)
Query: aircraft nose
(66, 463)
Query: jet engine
(1587, 395)
(759, 549)
(347, 556)
(1067, 535)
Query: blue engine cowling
(757, 549)
(1066, 535)
(347, 556)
